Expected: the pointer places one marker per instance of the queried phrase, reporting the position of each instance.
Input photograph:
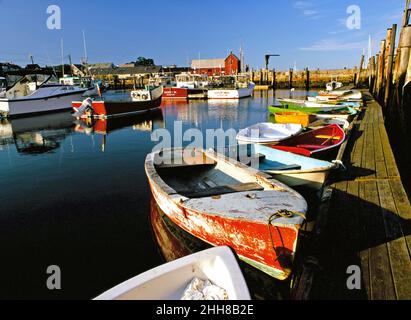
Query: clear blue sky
(310, 33)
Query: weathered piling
(307, 79)
(290, 79)
(358, 78)
(391, 34)
(381, 64)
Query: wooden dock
(365, 221)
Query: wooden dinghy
(317, 107)
(170, 281)
(267, 133)
(323, 122)
(226, 203)
(319, 143)
(342, 113)
(292, 169)
(295, 117)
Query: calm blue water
(79, 199)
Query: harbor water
(78, 198)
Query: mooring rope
(286, 214)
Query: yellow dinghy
(294, 117)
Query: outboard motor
(86, 108)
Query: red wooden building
(216, 67)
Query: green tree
(141, 61)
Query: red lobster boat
(113, 104)
(175, 93)
(318, 143)
(223, 202)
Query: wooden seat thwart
(221, 190)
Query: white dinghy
(266, 133)
(204, 275)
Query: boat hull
(201, 226)
(321, 143)
(104, 109)
(313, 180)
(175, 94)
(234, 94)
(294, 117)
(22, 107)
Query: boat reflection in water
(144, 123)
(38, 134)
(175, 243)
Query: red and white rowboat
(223, 202)
(319, 143)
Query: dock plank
(376, 227)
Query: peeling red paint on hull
(270, 249)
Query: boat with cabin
(230, 87)
(34, 93)
(119, 103)
(188, 86)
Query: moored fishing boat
(267, 133)
(230, 87)
(334, 85)
(292, 169)
(224, 202)
(121, 103)
(188, 86)
(319, 143)
(30, 96)
(294, 117)
(171, 281)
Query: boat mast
(85, 48)
(62, 57)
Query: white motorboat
(334, 85)
(266, 133)
(230, 87)
(170, 282)
(28, 97)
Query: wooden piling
(307, 80)
(374, 89)
(391, 34)
(358, 80)
(290, 80)
(404, 56)
(274, 80)
(381, 64)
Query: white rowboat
(169, 282)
